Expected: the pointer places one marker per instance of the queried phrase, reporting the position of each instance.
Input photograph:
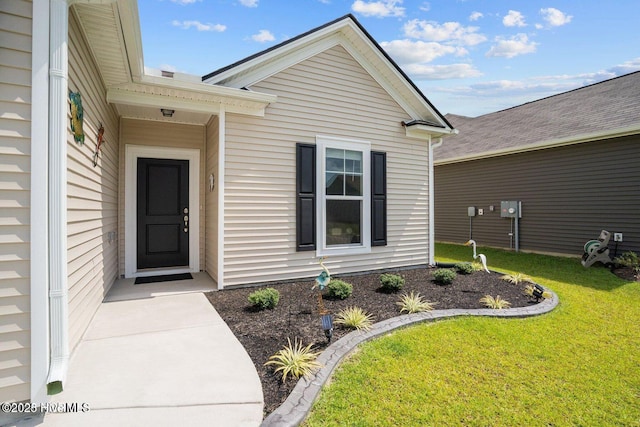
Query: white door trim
(132, 152)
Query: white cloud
(411, 52)
(449, 31)
(380, 9)
(486, 97)
(184, 2)
(626, 67)
(249, 3)
(514, 46)
(425, 7)
(441, 72)
(554, 17)
(185, 25)
(475, 16)
(514, 19)
(263, 36)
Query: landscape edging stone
(296, 408)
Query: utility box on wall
(510, 209)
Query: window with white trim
(344, 196)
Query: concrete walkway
(158, 354)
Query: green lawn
(576, 366)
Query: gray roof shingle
(605, 106)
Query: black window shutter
(378, 198)
(306, 197)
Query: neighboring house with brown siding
(318, 146)
(571, 159)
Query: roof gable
(602, 110)
(348, 33)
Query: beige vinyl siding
(329, 94)
(161, 134)
(15, 161)
(211, 198)
(568, 195)
(92, 193)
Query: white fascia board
(273, 66)
(129, 21)
(398, 94)
(204, 88)
(282, 51)
(560, 142)
(426, 132)
(209, 103)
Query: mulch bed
(263, 333)
(627, 273)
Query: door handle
(186, 220)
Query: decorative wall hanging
(99, 143)
(212, 183)
(76, 117)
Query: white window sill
(343, 250)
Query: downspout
(432, 225)
(58, 293)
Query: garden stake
(322, 280)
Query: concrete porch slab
(159, 354)
(124, 289)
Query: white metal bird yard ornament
(482, 257)
(323, 279)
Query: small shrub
(354, 318)
(477, 266)
(339, 289)
(295, 360)
(264, 298)
(496, 303)
(391, 282)
(465, 268)
(627, 259)
(516, 278)
(444, 276)
(413, 303)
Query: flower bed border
(296, 408)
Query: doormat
(166, 278)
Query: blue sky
(469, 57)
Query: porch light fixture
(167, 112)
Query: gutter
(552, 143)
(432, 225)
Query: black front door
(163, 213)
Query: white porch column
(222, 117)
(58, 292)
(39, 297)
(432, 222)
